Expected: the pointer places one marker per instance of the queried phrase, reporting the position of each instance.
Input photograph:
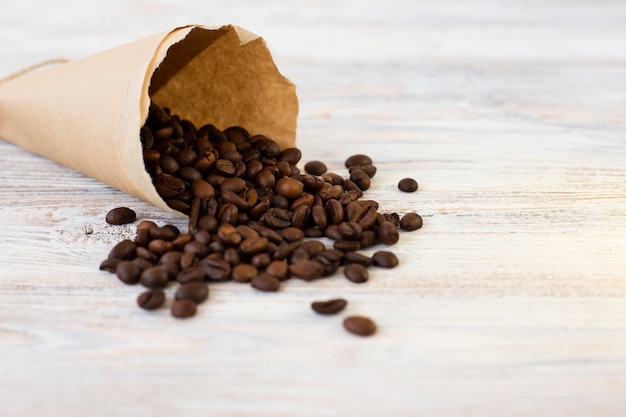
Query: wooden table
(510, 301)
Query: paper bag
(87, 113)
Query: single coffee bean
(411, 221)
(244, 272)
(253, 245)
(183, 309)
(368, 238)
(306, 269)
(347, 245)
(265, 282)
(358, 258)
(385, 259)
(290, 155)
(277, 218)
(279, 269)
(292, 234)
(388, 233)
(289, 187)
(328, 307)
(356, 273)
(155, 277)
(125, 250)
(128, 272)
(359, 325)
(358, 159)
(408, 185)
(361, 179)
(350, 230)
(195, 273)
(151, 299)
(216, 269)
(202, 190)
(169, 186)
(121, 215)
(196, 291)
(168, 232)
(334, 211)
(370, 170)
(146, 225)
(109, 264)
(315, 168)
(260, 260)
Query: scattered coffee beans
(253, 217)
(359, 325)
(333, 306)
(121, 215)
(408, 185)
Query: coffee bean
(265, 282)
(289, 187)
(411, 221)
(244, 272)
(385, 259)
(253, 245)
(215, 269)
(290, 155)
(357, 258)
(121, 215)
(315, 168)
(169, 186)
(277, 218)
(128, 272)
(155, 277)
(196, 291)
(279, 269)
(183, 309)
(361, 179)
(350, 230)
(334, 211)
(125, 250)
(356, 273)
(358, 159)
(151, 299)
(359, 325)
(195, 273)
(388, 233)
(370, 170)
(328, 307)
(109, 264)
(306, 269)
(408, 185)
(347, 245)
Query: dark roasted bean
(347, 245)
(358, 258)
(359, 325)
(244, 272)
(385, 259)
(125, 250)
(388, 233)
(411, 221)
(306, 269)
(289, 187)
(279, 269)
(358, 159)
(265, 282)
(350, 230)
(215, 269)
(408, 185)
(151, 299)
(361, 179)
(183, 309)
(109, 264)
(370, 170)
(333, 306)
(196, 291)
(334, 211)
(290, 155)
(195, 273)
(315, 168)
(155, 277)
(128, 272)
(356, 273)
(121, 215)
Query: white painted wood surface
(511, 301)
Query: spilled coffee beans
(253, 217)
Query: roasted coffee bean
(358, 159)
(146, 225)
(347, 245)
(183, 309)
(368, 238)
(300, 216)
(290, 155)
(142, 263)
(215, 269)
(334, 211)
(279, 269)
(408, 185)
(385, 259)
(411, 221)
(356, 273)
(359, 325)
(388, 233)
(172, 270)
(128, 272)
(146, 254)
(155, 277)
(160, 246)
(172, 256)
(318, 216)
(202, 190)
(196, 291)
(225, 167)
(365, 216)
(244, 272)
(125, 250)
(292, 234)
(315, 168)
(231, 255)
(350, 230)
(168, 232)
(370, 170)
(169, 186)
(313, 247)
(121, 215)
(277, 218)
(306, 269)
(328, 307)
(313, 183)
(186, 157)
(253, 245)
(332, 232)
(261, 260)
(358, 258)
(289, 187)
(188, 260)
(109, 264)
(265, 282)
(151, 299)
(186, 275)
(361, 179)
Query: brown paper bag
(86, 114)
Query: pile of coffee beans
(254, 216)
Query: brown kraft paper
(86, 114)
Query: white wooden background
(511, 301)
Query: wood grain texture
(510, 301)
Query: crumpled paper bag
(87, 113)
